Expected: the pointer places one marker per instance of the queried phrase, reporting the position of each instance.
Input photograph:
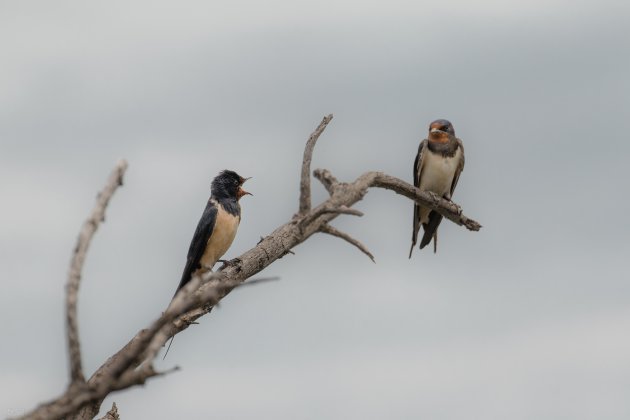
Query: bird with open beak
(438, 164)
(218, 224)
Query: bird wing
(460, 167)
(199, 242)
(417, 171)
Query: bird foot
(458, 209)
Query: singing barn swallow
(218, 224)
(438, 164)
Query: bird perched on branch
(437, 167)
(217, 228)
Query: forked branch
(305, 179)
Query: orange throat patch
(438, 137)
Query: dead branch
(133, 364)
(330, 209)
(305, 180)
(76, 266)
(446, 208)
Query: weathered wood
(76, 267)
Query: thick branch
(119, 371)
(305, 181)
(76, 266)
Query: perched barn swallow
(217, 228)
(439, 162)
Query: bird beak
(241, 192)
(244, 179)
(433, 130)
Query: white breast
(438, 172)
(437, 176)
(221, 238)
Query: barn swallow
(438, 164)
(218, 224)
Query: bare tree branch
(119, 371)
(330, 209)
(446, 208)
(133, 364)
(327, 179)
(76, 266)
(339, 234)
(305, 181)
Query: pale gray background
(527, 319)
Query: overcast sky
(527, 319)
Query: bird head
(228, 185)
(439, 131)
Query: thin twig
(305, 181)
(345, 210)
(339, 234)
(76, 266)
(329, 209)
